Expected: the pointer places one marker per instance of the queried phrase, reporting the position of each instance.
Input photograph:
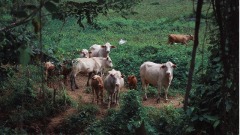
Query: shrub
(78, 122)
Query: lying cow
(100, 50)
(178, 38)
(88, 65)
(159, 75)
(113, 83)
(97, 87)
(132, 82)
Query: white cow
(113, 83)
(88, 65)
(100, 50)
(84, 53)
(159, 75)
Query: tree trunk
(191, 70)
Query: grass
(149, 26)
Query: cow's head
(84, 53)
(191, 37)
(116, 77)
(108, 47)
(108, 62)
(99, 80)
(168, 67)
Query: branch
(24, 20)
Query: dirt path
(82, 96)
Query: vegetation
(31, 33)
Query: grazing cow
(113, 83)
(66, 69)
(158, 75)
(132, 82)
(50, 72)
(101, 50)
(85, 53)
(177, 38)
(97, 87)
(88, 65)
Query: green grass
(149, 27)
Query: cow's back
(150, 72)
(109, 84)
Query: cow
(97, 87)
(51, 70)
(159, 75)
(132, 82)
(66, 68)
(88, 65)
(84, 53)
(113, 83)
(178, 38)
(100, 50)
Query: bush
(22, 101)
(77, 123)
(167, 120)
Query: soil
(83, 97)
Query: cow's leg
(93, 98)
(97, 93)
(166, 92)
(109, 101)
(101, 94)
(144, 88)
(73, 81)
(89, 76)
(159, 92)
(117, 97)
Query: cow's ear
(103, 46)
(174, 66)
(113, 46)
(163, 66)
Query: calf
(177, 38)
(97, 87)
(113, 83)
(88, 65)
(85, 53)
(132, 82)
(159, 75)
(101, 50)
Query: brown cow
(97, 86)
(49, 68)
(132, 82)
(178, 38)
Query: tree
(214, 107)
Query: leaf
(24, 57)
(51, 7)
(190, 129)
(210, 118)
(216, 123)
(228, 106)
(57, 1)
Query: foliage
(167, 121)
(214, 105)
(22, 101)
(78, 122)
(125, 121)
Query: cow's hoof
(144, 98)
(166, 100)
